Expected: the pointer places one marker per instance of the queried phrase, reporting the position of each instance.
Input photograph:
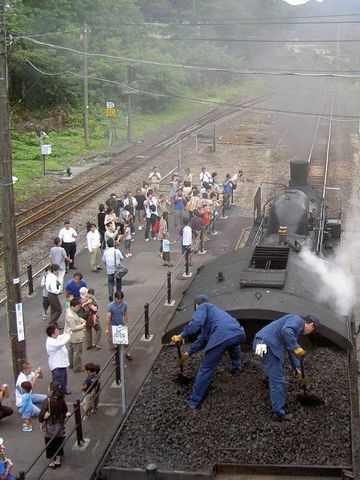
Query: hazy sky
(299, 2)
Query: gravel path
(236, 416)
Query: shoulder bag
(52, 428)
(120, 269)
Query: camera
(5, 389)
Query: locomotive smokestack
(299, 174)
(282, 234)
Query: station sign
(120, 335)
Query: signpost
(120, 337)
(45, 150)
(110, 113)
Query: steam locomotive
(267, 278)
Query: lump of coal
(235, 423)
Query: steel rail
(320, 237)
(170, 141)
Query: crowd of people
(191, 204)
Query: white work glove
(261, 349)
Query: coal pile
(235, 424)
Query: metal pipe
(147, 322)
(187, 266)
(169, 299)
(78, 424)
(30, 279)
(117, 366)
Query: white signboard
(45, 149)
(120, 335)
(20, 322)
(110, 105)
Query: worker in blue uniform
(270, 343)
(219, 333)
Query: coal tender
(233, 434)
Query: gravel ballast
(235, 424)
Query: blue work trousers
(208, 366)
(274, 369)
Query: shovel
(307, 399)
(182, 379)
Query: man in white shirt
(58, 355)
(27, 375)
(94, 244)
(151, 215)
(58, 257)
(186, 239)
(54, 286)
(68, 237)
(112, 257)
(205, 176)
(155, 178)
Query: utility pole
(129, 108)
(11, 264)
(86, 32)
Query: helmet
(314, 319)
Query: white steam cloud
(336, 283)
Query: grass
(68, 147)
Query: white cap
(83, 292)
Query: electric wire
(233, 71)
(290, 113)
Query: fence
(142, 326)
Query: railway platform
(146, 275)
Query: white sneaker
(126, 255)
(146, 239)
(130, 255)
(44, 317)
(140, 227)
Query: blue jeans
(274, 369)
(36, 398)
(208, 366)
(111, 282)
(60, 375)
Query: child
(68, 297)
(45, 300)
(5, 464)
(166, 250)
(128, 238)
(26, 406)
(89, 387)
(97, 388)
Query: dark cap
(199, 299)
(313, 318)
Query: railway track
(36, 219)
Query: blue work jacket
(282, 333)
(215, 326)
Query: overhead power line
(343, 118)
(258, 40)
(233, 71)
(48, 34)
